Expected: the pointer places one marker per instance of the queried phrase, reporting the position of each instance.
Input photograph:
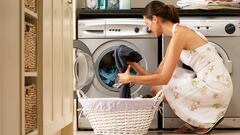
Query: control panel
(214, 27)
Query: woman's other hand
(154, 89)
(124, 78)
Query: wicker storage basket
(30, 45)
(30, 108)
(31, 4)
(118, 116)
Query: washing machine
(224, 32)
(97, 39)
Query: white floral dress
(200, 97)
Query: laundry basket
(120, 116)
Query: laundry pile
(208, 4)
(122, 55)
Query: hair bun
(158, 8)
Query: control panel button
(136, 29)
(230, 28)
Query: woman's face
(154, 25)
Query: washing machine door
(83, 66)
(106, 70)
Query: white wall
(134, 3)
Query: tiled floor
(215, 132)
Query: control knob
(230, 28)
(136, 29)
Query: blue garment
(108, 76)
(122, 54)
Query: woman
(199, 97)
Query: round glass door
(83, 69)
(106, 69)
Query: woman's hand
(154, 89)
(124, 78)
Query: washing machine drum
(106, 69)
(84, 69)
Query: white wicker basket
(119, 116)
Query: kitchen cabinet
(57, 69)
(36, 74)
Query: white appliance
(225, 33)
(98, 38)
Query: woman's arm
(141, 71)
(160, 66)
(164, 74)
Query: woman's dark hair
(158, 8)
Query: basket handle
(81, 94)
(159, 95)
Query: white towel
(208, 4)
(192, 3)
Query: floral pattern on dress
(189, 120)
(195, 105)
(217, 105)
(215, 95)
(201, 86)
(224, 78)
(194, 83)
(211, 67)
(175, 93)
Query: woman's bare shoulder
(184, 33)
(189, 37)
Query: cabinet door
(57, 66)
(67, 61)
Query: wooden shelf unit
(30, 74)
(35, 132)
(30, 14)
(54, 21)
(32, 77)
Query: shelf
(30, 74)
(137, 13)
(30, 14)
(35, 132)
